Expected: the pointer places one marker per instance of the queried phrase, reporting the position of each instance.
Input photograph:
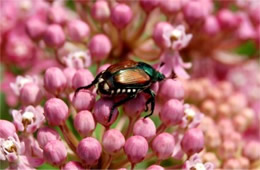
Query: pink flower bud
(69, 73)
(149, 5)
(100, 11)
(56, 111)
(46, 134)
(155, 167)
(121, 15)
(251, 150)
(30, 94)
(57, 14)
(145, 128)
(84, 100)
(135, 107)
(103, 68)
(159, 30)
(89, 150)
(78, 30)
(211, 26)
(227, 19)
(232, 164)
(136, 148)
(7, 129)
(54, 80)
(192, 141)
(244, 162)
(193, 11)
(163, 145)
(113, 141)
(82, 78)
(54, 36)
(170, 6)
(102, 110)
(35, 27)
(55, 152)
(84, 123)
(99, 47)
(72, 165)
(171, 89)
(172, 112)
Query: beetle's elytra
(127, 78)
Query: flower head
(78, 59)
(195, 163)
(29, 119)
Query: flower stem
(130, 127)
(69, 137)
(107, 163)
(120, 164)
(161, 128)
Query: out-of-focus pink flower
(78, 59)
(246, 29)
(100, 11)
(177, 151)
(195, 162)
(251, 149)
(57, 14)
(30, 94)
(55, 152)
(6, 129)
(20, 82)
(35, 27)
(227, 19)
(121, 15)
(89, 150)
(211, 25)
(149, 5)
(84, 123)
(99, 47)
(54, 36)
(195, 11)
(78, 30)
(19, 49)
(136, 148)
(28, 119)
(56, 111)
(171, 6)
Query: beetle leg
(118, 104)
(150, 100)
(95, 81)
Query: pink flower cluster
(207, 110)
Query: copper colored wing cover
(132, 76)
(122, 65)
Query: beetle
(127, 78)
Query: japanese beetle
(127, 78)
